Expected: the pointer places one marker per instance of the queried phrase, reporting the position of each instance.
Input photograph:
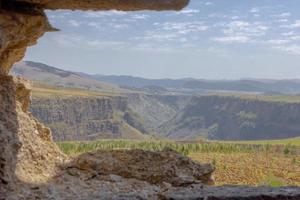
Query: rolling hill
(52, 76)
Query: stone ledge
(127, 5)
(233, 193)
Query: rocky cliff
(233, 118)
(155, 110)
(27, 153)
(176, 117)
(87, 118)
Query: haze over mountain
(138, 82)
(57, 77)
(52, 76)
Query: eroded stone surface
(166, 166)
(232, 193)
(27, 152)
(128, 5)
(17, 32)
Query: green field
(52, 92)
(278, 146)
(290, 141)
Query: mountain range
(62, 78)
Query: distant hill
(262, 86)
(275, 87)
(52, 76)
(61, 78)
(137, 82)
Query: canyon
(88, 118)
(32, 166)
(220, 117)
(141, 116)
(76, 111)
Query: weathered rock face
(19, 29)
(167, 166)
(156, 109)
(27, 152)
(232, 193)
(232, 118)
(127, 5)
(86, 118)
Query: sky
(209, 39)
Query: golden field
(236, 162)
(273, 169)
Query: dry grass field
(276, 164)
(274, 169)
(47, 91)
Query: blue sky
(211, 39)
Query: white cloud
(290, 33)
(74, 23)
(254, 10)
(295, 37)
(101, 26)
(140, 16)
(100, 14)
(239, 31)
(78, 41)
(183, 40)
(118, 26)
(172, 31)
(284, 15)
(277, 42)
(159, 36)
(235, 17)
(296, 24)
(183, 27)
(93, 24)
(282, 20)
(244, 28)
(188, 11)
(104, 44)
(221, 16)
(67, 40)
(292, 49)
(151, 47)
(232, 39)
(58, 14)
(208, 3)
